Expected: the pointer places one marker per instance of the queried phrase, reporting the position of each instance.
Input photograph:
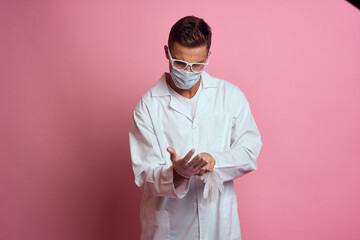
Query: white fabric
(189, 103)
(214, 185)
(224, 127)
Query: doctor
(189, 124)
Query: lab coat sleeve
(245, 146)
(152, 174)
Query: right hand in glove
(183, 166)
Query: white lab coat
(224, 127)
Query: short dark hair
(190, 31)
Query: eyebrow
(202, 61)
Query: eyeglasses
(181, 65)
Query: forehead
(196, 54)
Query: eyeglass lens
(183, 65)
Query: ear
(166, 52)
(209, 53)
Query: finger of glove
(189, 155)
(220, 183)
(206, 190)
(215, 194)
(205, 177)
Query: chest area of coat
(209, 131)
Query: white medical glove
(213, 185)
(183, 166)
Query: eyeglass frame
(187, 63)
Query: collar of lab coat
(161, 89)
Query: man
(187, 125)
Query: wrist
(178, 179)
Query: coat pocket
(219, 132)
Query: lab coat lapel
(179, 107)
(160, 89)
(204, 101)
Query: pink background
(71, 73)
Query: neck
(188, 93)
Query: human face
(190, 55)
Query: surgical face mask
(184, 79)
